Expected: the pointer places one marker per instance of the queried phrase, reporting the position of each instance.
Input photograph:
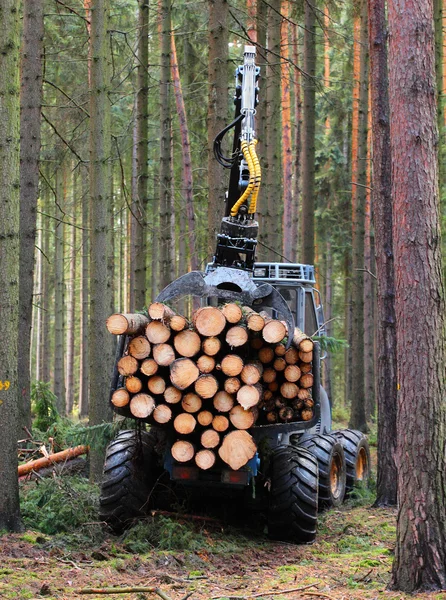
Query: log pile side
(211, 379)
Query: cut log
(184, 423)
(232, 385)
(149, 367)
(297, 404)
(182, 451)
(205, 418)
(279, 364)
(292, 373)
(209, 321)
(302, 341)
(272, 417)
(205, 459)
(256, 343)
(266, 355)
(157, 332)
(308, 403)
(160, 312)
(241, 418)
(280, 402)
(292, 355)
(270, 405)
(306, 414)
(183, 373)
(133, 384)
(249, 395)
(305, 367)
(236, 336)
(156, 385)
(178, 323)
(306, 357)
(187, 343)
(273, 386)
(120, 398)
(286, 414)
(289, 390)
(280, 350)
(139, 347)
(142, 406)
(163, 354)
(127, 365)
(191, 403)
(162, 414)
(237, 449)
(51, 459)
(303, 394)
(232, 365)
(269, 375)
(206, 386)
(130, 324)
(267, 395)
(254, 321)
(211, 346)
(252, 372)
(220, 423)
(172, 395)
(232, 312)
(210, 438)
(223, 402)
(206, 364)
(306, 381)
(274, 330)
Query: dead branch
(276, 593)
(124, 590)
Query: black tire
(329, 453)
(130, 473)
(357, 457)
(293, 501)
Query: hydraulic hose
(245, 148)
(257, 177)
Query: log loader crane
(302, 466)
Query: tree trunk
(386, 365)
(47, 288)
(217, 112)
(358, 416)
(166, 234)
(297, 144)
(261, 123)
(100, 287)
(273, 163)
(439, 66)
(308, 142)
(84, 336)
(287, 155)
(71, 309)
(59, 293)
(420, 554)
(31, 102)
(9, 265)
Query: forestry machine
(300, 466)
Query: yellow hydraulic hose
(250, 187)
(257, 177)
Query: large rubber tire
(329, 453)
(293, 502)
(357, 457)
(130, 473)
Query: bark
(166, 237)
(9, 266)
(71, 310)
(59, 293)
(46, 289)
(308, 134)
(100, 286)
(217, 112)
(273, 165)
(261, 123)
(84, 335)
(31, 102)
(297, 144)
(357, 415)
(420, 554)
(187, 178)
(287, 154)
(328, 317)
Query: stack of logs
(212, 379)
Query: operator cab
(295, 282)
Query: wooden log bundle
(212, 377)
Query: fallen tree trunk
(58, 457)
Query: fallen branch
(40, 463)
(124, 590)
(277, 593)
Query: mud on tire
(293, 502)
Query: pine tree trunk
(217, 113)
(100, 286)
(358, 416)
(297, 143)
(273, 164)
(9, 265)
(261, 123)
(420, 553)
(71, 308)
(85, 304)
(287, 154)
(59, 293)
(31, 102)
(308, 141)
(166, 233)
(46, 288)
(386, 364)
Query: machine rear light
(238, 477)
(259, 272)
(179, 472)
